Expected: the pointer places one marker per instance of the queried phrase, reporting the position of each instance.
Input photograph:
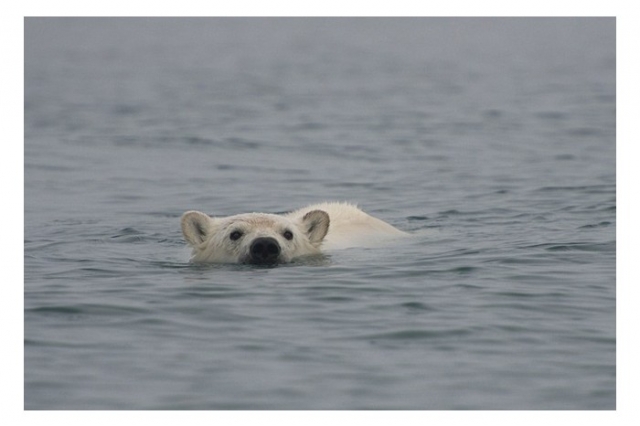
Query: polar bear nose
(264, 250)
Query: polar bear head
(257, 238)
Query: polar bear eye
(235, 235)
(288, 235)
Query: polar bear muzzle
(264, 250)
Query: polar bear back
(351, 227)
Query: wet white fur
(351, 227)
(324, 226)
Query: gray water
(491, 140)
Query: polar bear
(263, 238)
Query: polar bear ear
(316, 225)
(195, 227)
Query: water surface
(491, 140)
